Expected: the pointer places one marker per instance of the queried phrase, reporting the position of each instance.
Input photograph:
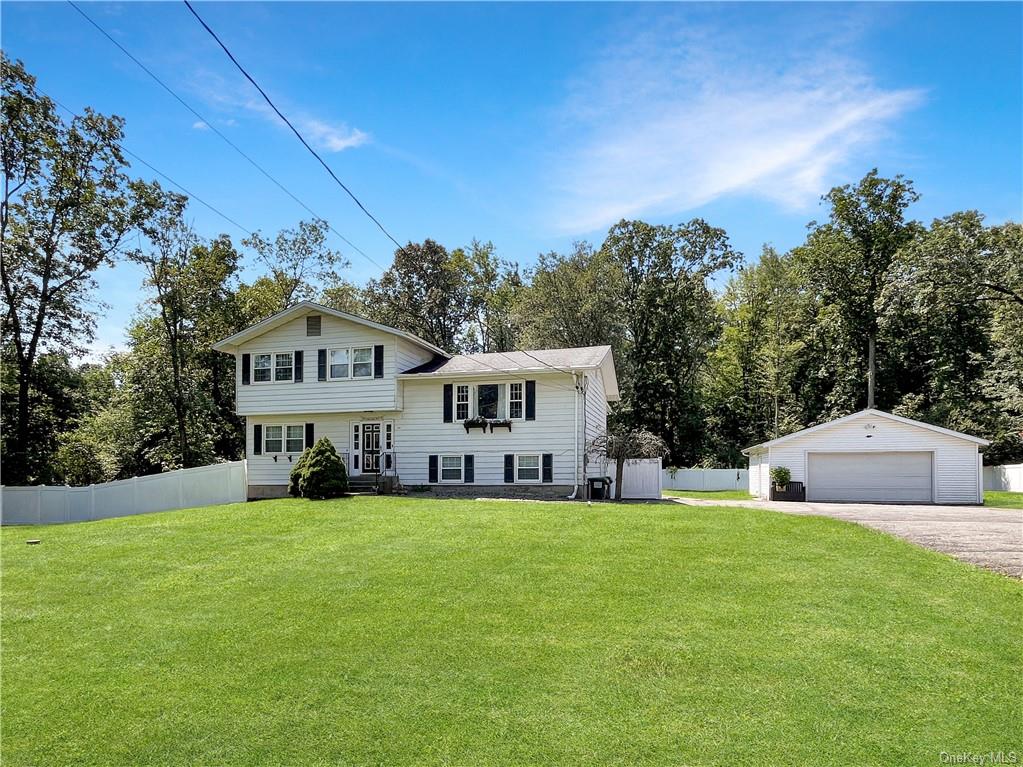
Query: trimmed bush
(323, 472)
(780, 476)
(295, 478)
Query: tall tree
(671, 325)
(573, 300)
(846, 260)
(493, 285)
(299, 263)
(66, 209)
(424, 292)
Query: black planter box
(794, 491)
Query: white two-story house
(508, 423)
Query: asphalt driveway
(982, 535)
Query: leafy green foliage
(297, 474)
(780, 476)
(323, 473)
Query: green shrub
(780, 476)
(323, 472)
(295, 478)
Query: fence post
(134, 495)
(181, 488)
(92, 501)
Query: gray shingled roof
(539, 359)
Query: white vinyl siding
(421, 431)
(311, 395)
(955, 472)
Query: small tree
(619, 445)
(323, 473)
(297, 472)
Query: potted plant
(783, 488)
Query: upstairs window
(461, 402)
(339, 363)
(362, 362)
(487, 396)
(284, 366)
(515, 400)
(262, 366)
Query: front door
(371, 448)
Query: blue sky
(534, 125)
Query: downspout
(575, 476)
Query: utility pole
(870, 373)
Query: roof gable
(872, 413)
(231, 343)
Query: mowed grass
(712, 495)
(1003, 499)
(398, 631)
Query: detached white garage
(874, 457)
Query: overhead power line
(160, 173)
(209, 124)
(293, 128)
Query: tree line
(714, 352)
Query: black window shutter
(298, 366)
(448, 394)
(530, 400)
(321, 364)
(257, 439)
(433, 469)
(470, 469)
(246, 368)
(509, 467)
(309, 435)
(378, 361)
(548, 467)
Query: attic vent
(312, 325)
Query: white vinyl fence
(182, 489)
(706, 479)
(641, 478)
(1008, 477)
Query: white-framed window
(262, 368)
(451, 468)
(339, 363)
(284, 438)
(362, 362)
(516, 400)
(350, 362)
(294, 438)
(461, 402)
(527, 468)
(284, 366)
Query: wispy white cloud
(323, 134)
(671, 120)
(200, 125)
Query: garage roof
(875, 414)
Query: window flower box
(500, 423)
(477, 422)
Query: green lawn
(714, 495)
(394, 631)
(1004, 500)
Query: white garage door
(870, 477)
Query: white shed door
(870, 477)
